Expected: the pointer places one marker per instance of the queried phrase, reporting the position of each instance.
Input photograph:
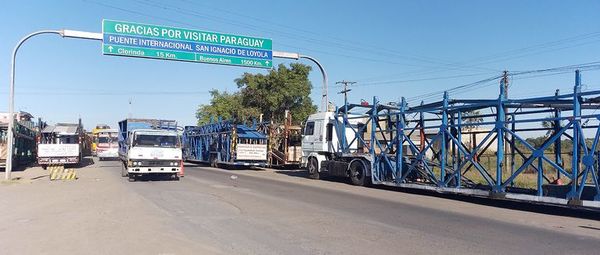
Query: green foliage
(282, 89)
(227, 106)
(469, 118)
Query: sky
(392, 49)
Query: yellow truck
(96, 135)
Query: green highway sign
(151, 41)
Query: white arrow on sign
(110, 48)
(267, 62)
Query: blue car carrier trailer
(442, 146)
(224, 143)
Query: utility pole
(345, 92)
(65, 33)
(506, 148)
(346, 89)
(129, 114)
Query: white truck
(60, 144)
(320, 140)
(149, 147)
(107, 144)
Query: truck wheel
(124, 171)
(131, 178)
(213, 162)
(44, 167)
(357, 173)
(313, 168)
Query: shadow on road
(87, 161)
(557, 210)
(155, 177)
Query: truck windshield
(106, 139)
(170, 141)
(53, 138)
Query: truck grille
(155, 163)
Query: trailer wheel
(313, 168)
(213, 161)
(357, 173)
(124, 170)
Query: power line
(346, 89)
(338, 44)
(453, 89)
(119, 93)
(421, 58)
(343, 45)
(504, 56)
(486, 82)
(420, 80)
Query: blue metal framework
(215, 143)
(24, 146)
(440, 160)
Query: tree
(280, 90)
(272, 94)
(471, 117)
(549, 124)
(226, 106)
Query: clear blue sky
(391, 48)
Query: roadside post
(296, 56)
(121, 38)
(11, 97)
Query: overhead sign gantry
(130, 39)
(151, 41)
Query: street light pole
(11, 96)
(296, 56)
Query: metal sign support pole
(11, 96)
(296, 56)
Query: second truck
(149, 147)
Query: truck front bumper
(111, 153)
(153, 169)
(65, 160)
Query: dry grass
(527, 179)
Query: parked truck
(60, 144)
(107, 144)
(284, 142)
(224, 143)
(95, 131)
(323, 150)
(149, 147)
(24, 147)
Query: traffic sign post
(11, 96)
(151, 41)
(159, 42)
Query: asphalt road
(265, 212)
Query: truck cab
(107, 144)
(147, 147)
(323, 136)
(60, 144)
